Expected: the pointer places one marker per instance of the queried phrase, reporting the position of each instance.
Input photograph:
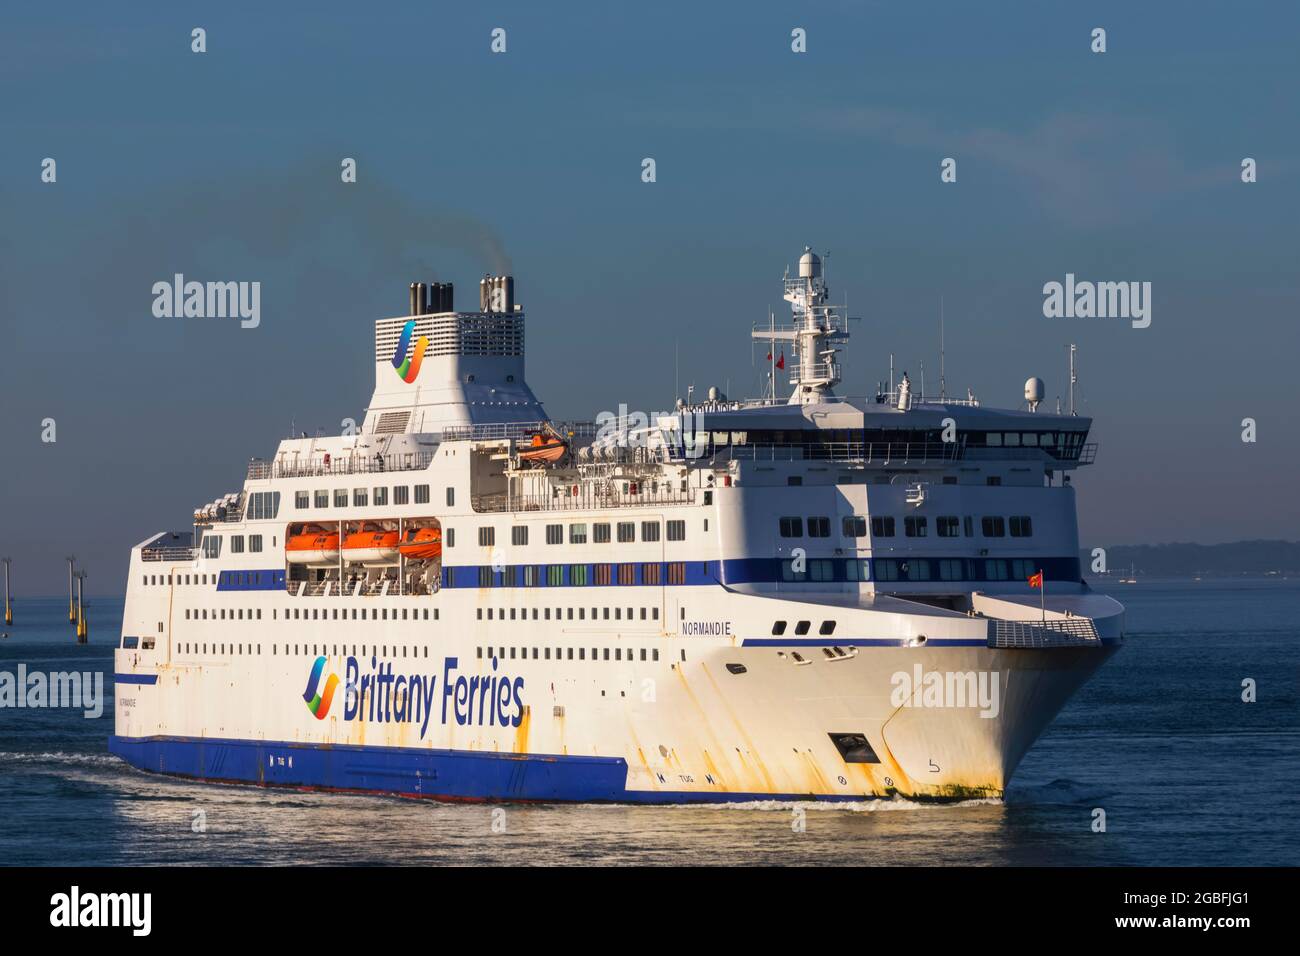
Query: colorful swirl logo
(319, 704)
(409, 367)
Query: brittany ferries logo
(319, 704)
(408, 367)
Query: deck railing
(587, 500)
(348, 465)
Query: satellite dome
(810, 264)
(1034, 391)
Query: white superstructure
(824, 596)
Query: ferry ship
(812, 597)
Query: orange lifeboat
(422, 544)
(370, 545)
(312, 546)
(544, 448)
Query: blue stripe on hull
(407, 771)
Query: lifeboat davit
(544, 448)
(370, 545)
(312, 546)
(422, 544)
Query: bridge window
(819, 527)
(792, 527)
(993, 527)
(948, 526)
(882, 526)
(855, 526)
(1021, 526)
(914, 526)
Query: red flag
(780, 363)
(769, 356)
(1036, 580)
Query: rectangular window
(649, 530)
(451, 497)
(518, 535)
(791, 527)
(789, 572)
(948, 526)
(381, 497)
(421, 494)
(1021, 526)
(627, 574)
(255, 542)
(915, 526)
(882, 526)
(650, 574)
(857, 569)
(236, 544)
(449, 538)
(855, 526)
(264, 505)
(821, 569)
(301, 499)
(340, 497)
(555, 534)
(212, 546)
(600, 533)
(555, 575)
(677, 572)
(401, 495)
(677, 531)
(951, 569)
(917, 569)
(487, 536)
(485, 578)
(602, 574)
(819, 527)
(578, 575)
(322, 498)
(360, 498)
(626, 531)
(995, 569)
(577, 534)
(993, 527)
(886, 569)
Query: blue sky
(225, 166)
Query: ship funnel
(496, 294)
(417, 298)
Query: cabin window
(381, 497)
(914, 526)
(676, 572)
(855, 526)
(555, 575)
(789, 572)
(993, 527)
(947, 526)
(951, 569)
(578, 575)
(627, 574)
(449, 538)
(236, 544)
(649, 530)
(802, 627)
(857, 569)
(577, 534)
(917, 569)
(827, 628)
(421, 494)
(819, 527)
(603, 574)
(360, 498)
(301, 499)
(340, 497)
(451, 497)
(322, 498)
(487, 536)
(791, 527)
(995, 569)
(555, 534)
(649, 576)
(882, 526)
(676, 530)
(886, 569)
(401, 494)
(778, 628)
(600, 533)
(518, 535)
(626, 531)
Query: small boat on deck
(422, 544)
(371, 545)
(313, 545)
(544, 448)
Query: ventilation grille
(461, 333)
(392, 423)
